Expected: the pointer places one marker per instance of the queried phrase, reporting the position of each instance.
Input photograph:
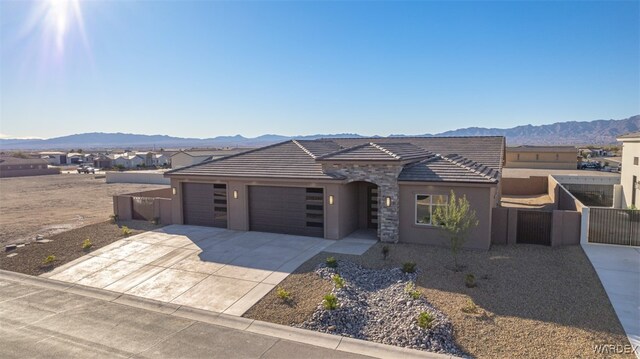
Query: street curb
(334, 342)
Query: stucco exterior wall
(480, 199)
(629, 151)
(29, 172)
(522, 159)
(524, 186)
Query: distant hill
(600, 132)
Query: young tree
(456, 218)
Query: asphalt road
(46, 323)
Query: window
(518, 157)
(537, 157)
(557, 157)
(635, 160)
(426, 204)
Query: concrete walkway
(207, 268)
(43, 318)
(618, 268)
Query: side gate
(534, 227)
(142, 208)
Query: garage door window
(315, 207)
(220, 203)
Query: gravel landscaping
(381, 306)
(29, 258)
(529, 301)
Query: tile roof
(488, 150)
(454, 159)
(449, 169)
(282, 160)
(372, 151)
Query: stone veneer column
(386, 178)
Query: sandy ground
(52, 204)
(539, 201)
(532, 301)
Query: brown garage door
(204, 204)
(289, 210)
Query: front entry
(372, 207)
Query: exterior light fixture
(235, 194)
(330, 199)
(174, 190)
(388, 201)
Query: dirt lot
(532, 301)
(53, 204)
(67, 246)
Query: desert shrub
(411, 290)
(155, 221)
(113, 218)
(337, 280)
(331, 262)
(425, 320)
(126, 231)
(86, 244)
(470, 280)
(330, 302)
(385, 252)
(409, 267)
(470, 307)
(49, 259)
(283, 294)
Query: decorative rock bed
(374, 305)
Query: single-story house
(18, 167)
(388, 187)
(102, 161)
(546, 157)
(129, 161)
(630, 174)
(54, 158)
(191, 157)
(161, 159)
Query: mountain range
(599, 132)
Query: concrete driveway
(618, 268)
(207, 268)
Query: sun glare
(58, 20)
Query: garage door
(289, 210)
(204, 204)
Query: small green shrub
(385, 252)
(470, 307)
(337, 280)
(49, 260)
(283, 294)
(155, 221)
(113, 218)
(331, 262)
(330, 302)
(86, 244)
(411, 290)
(470, 280)
(409, 267)
(126, 231)
(425, 320)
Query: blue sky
(204, 68)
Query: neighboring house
(102, 161)
(161, 159)
(192, 157)
(17, 167)
(630, 177)
(547, 157)
(128, 161)
(331, 188)
(54, 158)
